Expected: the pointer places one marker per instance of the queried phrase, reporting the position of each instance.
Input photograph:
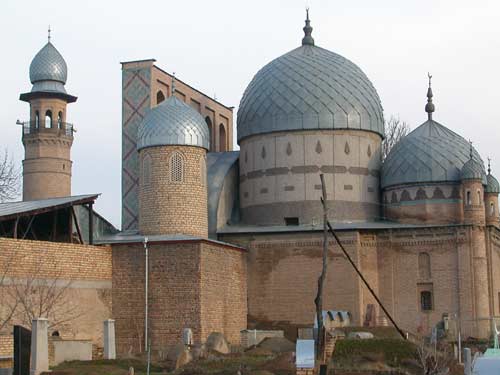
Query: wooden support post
(29, 226)
(70, 225)
(91, 224)
(15, 227)
(77, 224)
(54, 226)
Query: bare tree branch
(10, 178)
(395, 129)
(433, 361)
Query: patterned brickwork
(180, 295)
(136, 82)
(174, 207)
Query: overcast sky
(217, 47)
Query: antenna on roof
(49, 30)
(429, 107)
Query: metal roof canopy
(12, 210)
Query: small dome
(492, 186)
(472, 170)
(430, 153)
(173, 122)
(309, 88)
(48, 65)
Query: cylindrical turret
(172, 142)
(472, 174)
(491, 199)
(47, 137)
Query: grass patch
(391, 351)
(104, 367)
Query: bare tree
(39, 296)
(395, 129)
(10, 178)
(433, 361)
(8, 306)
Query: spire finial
(307, 39)
(470, 149)
(429, 107)
(489, 165)
(173, 83)
(48, 31)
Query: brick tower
(173, 140)
(47, 137)
(473, 177)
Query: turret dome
(492, 186)
(472, 170)
(309, 88)
(173, 122)
(48, 65)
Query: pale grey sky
(217, 46)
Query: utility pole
(318, 301)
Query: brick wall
(223, 292)
(192, 285)
(168, 207)
(82, 271)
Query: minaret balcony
(57, 128)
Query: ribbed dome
(309, 88)
(173, 122)
(472, 170)
(430, 153)
(492, 185)
(48, 65)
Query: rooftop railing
(57, 127)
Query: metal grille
(176, 167)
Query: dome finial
(429, 107)
(48, 31)
(307, 39)
(489, 165)
(470, 149)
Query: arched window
(469, 198)
(146, 170)
(176, 167)
(37, 120)
(59, 120)
(426, 300)
(48, 119)
(492, 209)
(203, 171)
(159, 97)
(424, 266)
(222, 138)
(479, 197)
(210, 132)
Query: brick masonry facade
(196, 284)
(83, 271)
(173, 207)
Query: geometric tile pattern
(48, 65)
(309, 88)
(173, 122)
(430, 153)
(136, 84)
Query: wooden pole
(91, 224)
(29, 226)
(77, 225)
(318, 301)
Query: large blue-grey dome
(173, 122)
(430, 153)
(48, 65)
(309, 88)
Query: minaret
(47, 137)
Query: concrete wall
(279, 175)
(71, 350)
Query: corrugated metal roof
(25, 208)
